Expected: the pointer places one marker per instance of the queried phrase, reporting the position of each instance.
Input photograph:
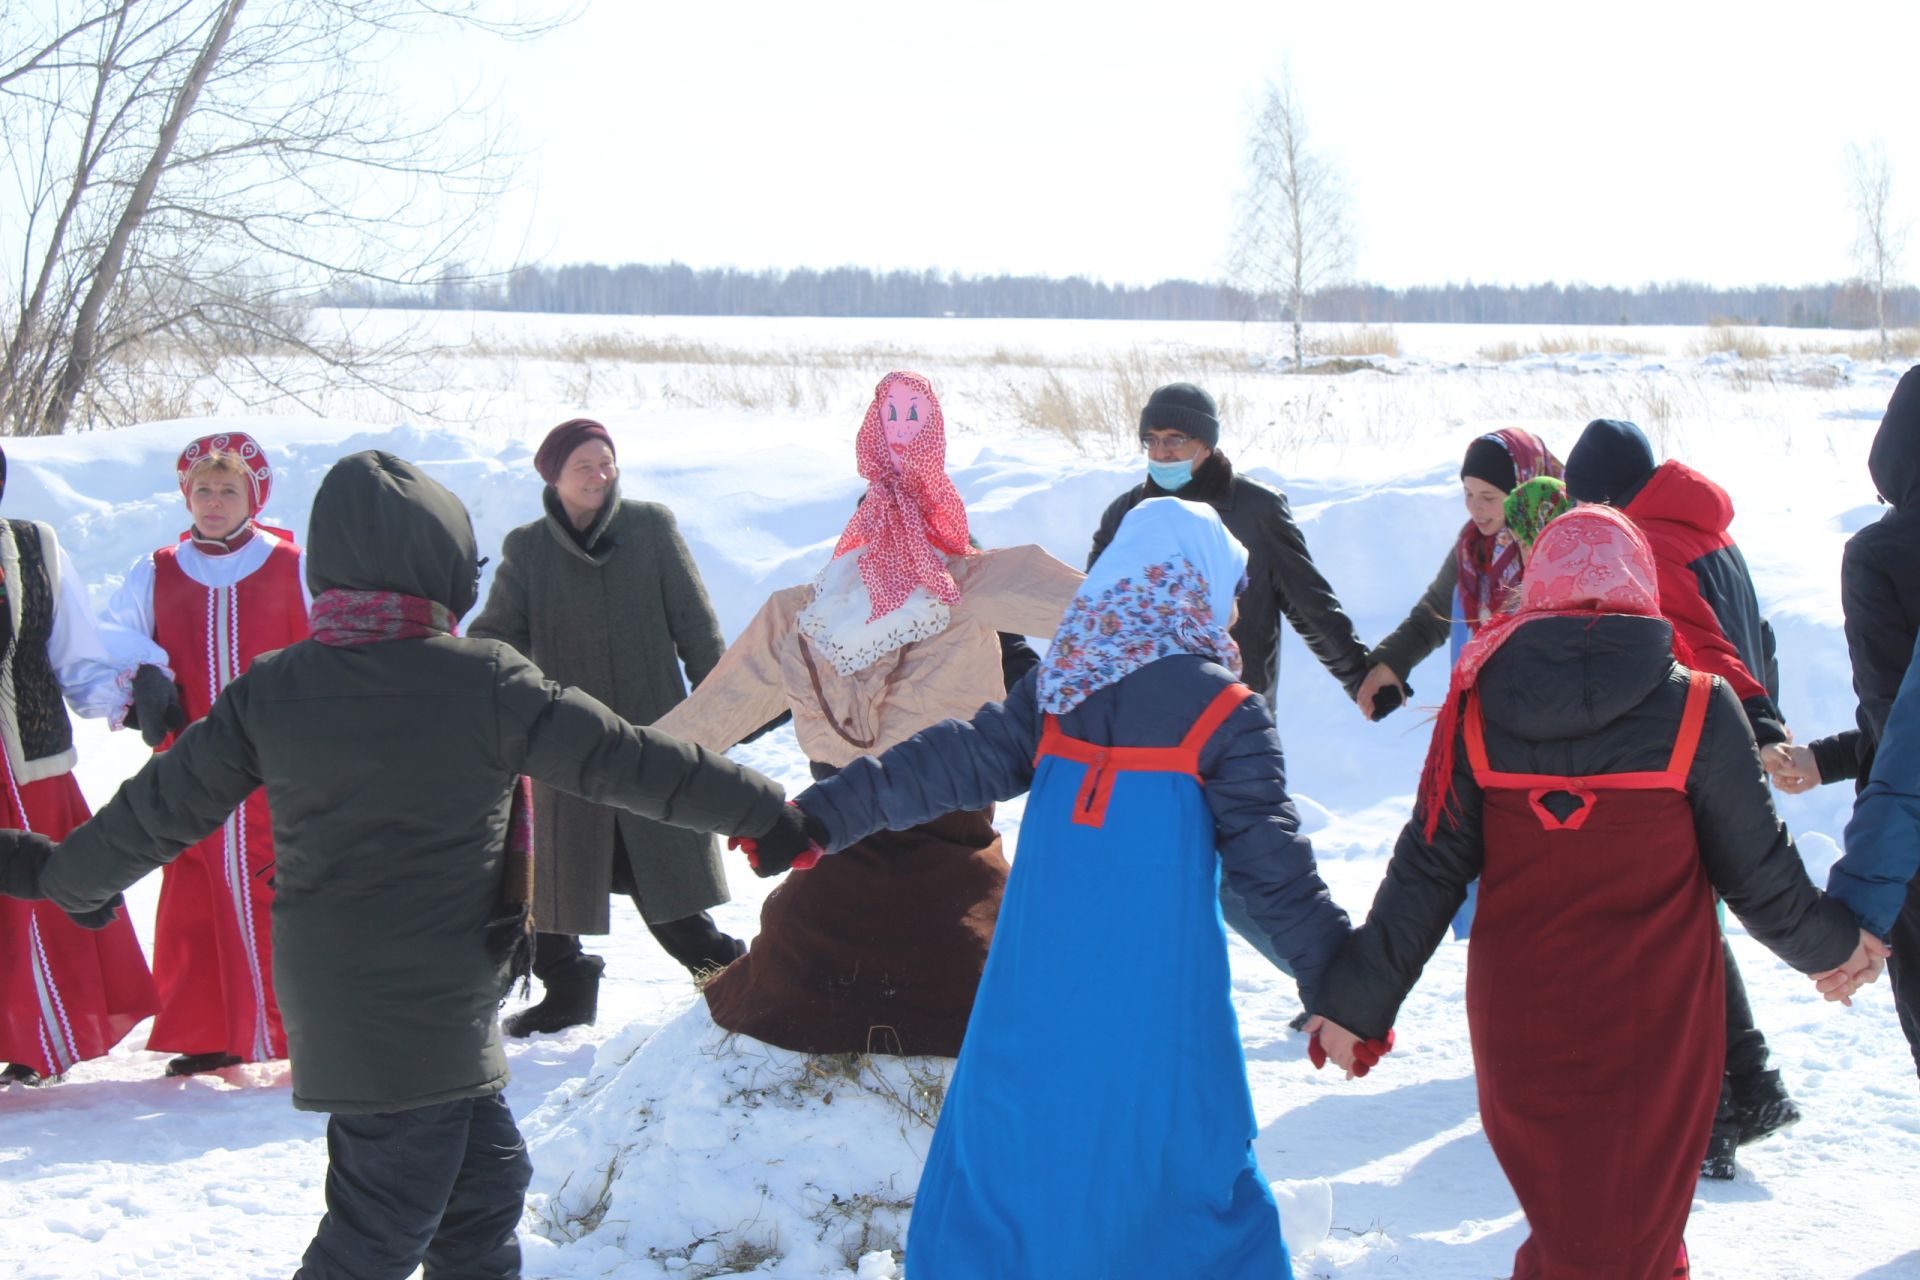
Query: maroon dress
(1595, 1002)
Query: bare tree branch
(188, 174)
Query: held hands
(1379, 678)
(1865, 965)
(1792, 768)
(1349, 1052)
(156, 705)
(23, 858)
(792, 844)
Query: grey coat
(616, 618)
(388, 767)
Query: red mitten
(1316, 1052)
(1367, 1054)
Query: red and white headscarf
(1589, 562)
(1489, 564)
(252, 458)
(912, 517)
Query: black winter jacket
(1566, 696)
(1880, 588)
(960, 764)
(1281, 575)
(388, 768)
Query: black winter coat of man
(389, 769)
(1281, 575)
(1880, 588)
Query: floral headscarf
(1490, 564)
(912, 517)
(1588, 562)
(1164, 585)
(1532, 504)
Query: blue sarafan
(1098, 1125)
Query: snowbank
(706, 1153)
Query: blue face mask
(1170, 475)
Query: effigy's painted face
(902, 416)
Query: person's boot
(192, 1064)
(21, 1074)
(1761, 1106)
(1721, 1144)
(571, 1000)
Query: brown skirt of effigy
(878, 949)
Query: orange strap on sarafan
(1686, 745)
(1104, 764)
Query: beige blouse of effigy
(771, 667)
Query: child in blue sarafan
(1098, 1122)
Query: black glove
(794, 836)
(156, 710)
(101, 916)
(23, 856)
(1388, 700)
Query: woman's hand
(1329, 1040)
(1792, 768)
(1865, 965)
(1378, 677)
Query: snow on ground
(745, 428)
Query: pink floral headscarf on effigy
(1586, 563)
(912, 517)
(887, 584)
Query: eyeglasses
(1170, 440)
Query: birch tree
(1878, 239)
(1293, 237)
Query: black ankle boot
(1761, 1105)
(1718, 1165)
(572, 1000)
(192, 1064)
(20, 1073)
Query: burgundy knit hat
(562, 441)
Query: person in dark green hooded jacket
(390, 750)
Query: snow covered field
(680, 1154)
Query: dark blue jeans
(442, 1186)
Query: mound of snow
(692, 1152)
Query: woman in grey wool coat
(603, 595)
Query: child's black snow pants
(442, 1185)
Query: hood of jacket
(1894, 460)
(380, 523)
(1676, 492)
(1561, 678)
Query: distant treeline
(677, 289)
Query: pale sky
(1606, 144)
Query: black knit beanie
(1609, 463)
(1488, 460)
(1181, 406)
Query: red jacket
(1706, 589)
